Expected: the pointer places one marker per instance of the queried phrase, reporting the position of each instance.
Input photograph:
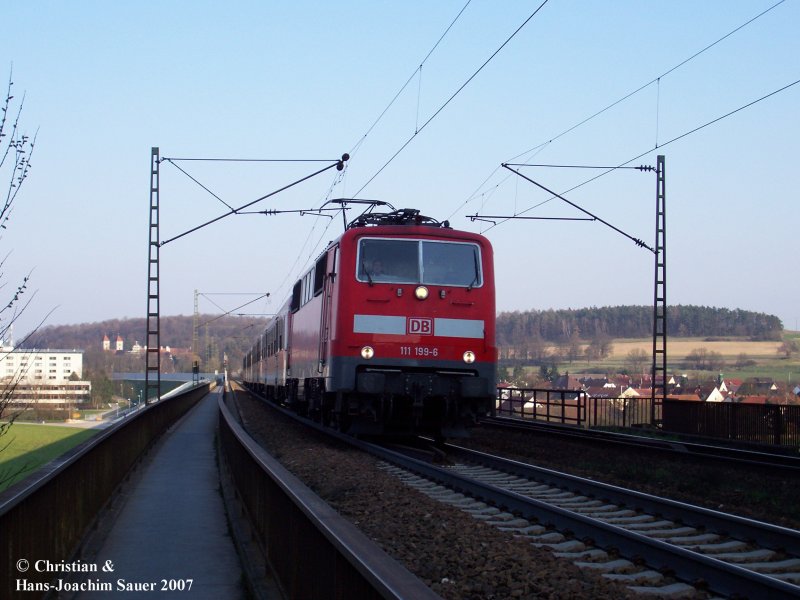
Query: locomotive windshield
(417, 261)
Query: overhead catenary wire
(339, 164)
(540, 146)
(263, 160)
(658, 108)
(172, 162)
(418, 70)
(290, 272)
(646, 152)
(450, 99)
(637, 241)
(510, 164)
(226, 313)
(357, 145)
(207, 295)
(651, 82)
(408, 81)
(301, 211)
(486, 217)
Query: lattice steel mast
(195, 326)
(659, 371)
(152, 376)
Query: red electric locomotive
(391, 331)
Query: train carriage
(391, 331)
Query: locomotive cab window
(294, 306)
(388, 261)
(319, 274)
(417, 261)
(448, 263)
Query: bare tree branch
(16, 149)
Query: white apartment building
(54, 377)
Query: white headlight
(421, 292)
(367, 352)
(469, 357)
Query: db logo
(419, 326)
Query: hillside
(232, 336)
(535, 327)
(531, 332)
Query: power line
(207, 294)
(338, 164)
(651, 82)
(539, 147)
(230, 293)
(675, 139)
(172, 162)
(510, 164)
(637, 241)
(450, 99)
(726, 115)
(225, 314)
(265, 160)
(405, 85)
(297, 258)
(487, 217)
(358, 144)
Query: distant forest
(233, 336)
(518, 329)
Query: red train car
(391, 331)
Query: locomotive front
(416, 324)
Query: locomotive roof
(403, 221)
(404, 216)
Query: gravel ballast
(459, 557)
(739, 489)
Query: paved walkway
(172, 527)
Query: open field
(27, 447)
(768, 363)
(680, 347)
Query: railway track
(650, 544)
(783, 463)
(284, 519)
(631, 537)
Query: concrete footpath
(171, 536)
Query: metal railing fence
(774, 424)
(46, 516)
(551, 406)
(771, 424)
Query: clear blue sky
(106, 81)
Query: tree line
(535, 327)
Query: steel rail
(768, 535)
(349, 563)
(724, 578)
(786, 463)
(721, 577)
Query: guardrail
(775, 424)
(311, 549)
(46, 516)
(769, 424)
(551, 406)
